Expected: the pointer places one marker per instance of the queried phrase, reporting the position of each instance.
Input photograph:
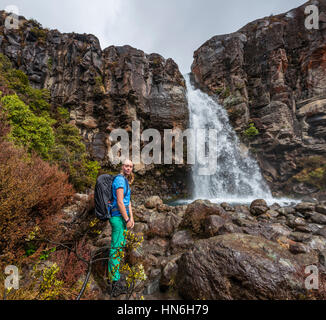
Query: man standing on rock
(121, 220)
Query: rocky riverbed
(218, 251)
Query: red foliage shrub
(71, 267)
(31, 192)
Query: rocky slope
(103, 89)
(218, 251)
(272, 73)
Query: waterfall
(238, 177)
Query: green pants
(118, 242)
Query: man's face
(127, 168)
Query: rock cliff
(102, 89)
(272, 73)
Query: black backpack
(103, 196)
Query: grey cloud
(172, 28)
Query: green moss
(99, 86)
(50, 64)
(232, 100)
(313, 172)
(252, 131)
(219, 90)
(225, 93)
(39, 33)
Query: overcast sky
(172, 28)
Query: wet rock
(318, 218)
(140, 228)
(306, 208)
(274, 206)
(227, 207)
(278, 229)
(229, 227)
(181, 240)
(213, 224)
(237, 266)
(153, 202)
(285, 211)
(297, 248)
(239, 215)
(169, 272)
(321, 209)
(243, 209)
(196, 214)
(317, 243)
(309, 228)
(294, 222)
(321, 232)
(162, 224)
(272, 214)
(300, 236)
(258, 207)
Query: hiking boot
(117, 288)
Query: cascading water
(237, 178)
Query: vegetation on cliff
(36, 126)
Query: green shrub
(37, 99)
(47, 132)
(27, 129)
(70, 154)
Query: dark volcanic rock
(238, 266)
(181, 240)
(272, 73)
(197, 212)
(213, 224)
(103, 90)
(258, 207)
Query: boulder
(318, 218)
(213, 224)
(197, 212)
(321, 209)
(162, 224)
(238, 266)
(169, 272)
(153, 202)
(181, 240)
(258, 207)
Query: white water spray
(238, 177)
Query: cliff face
(272, 73)
(102, 89)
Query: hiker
(121, 220)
